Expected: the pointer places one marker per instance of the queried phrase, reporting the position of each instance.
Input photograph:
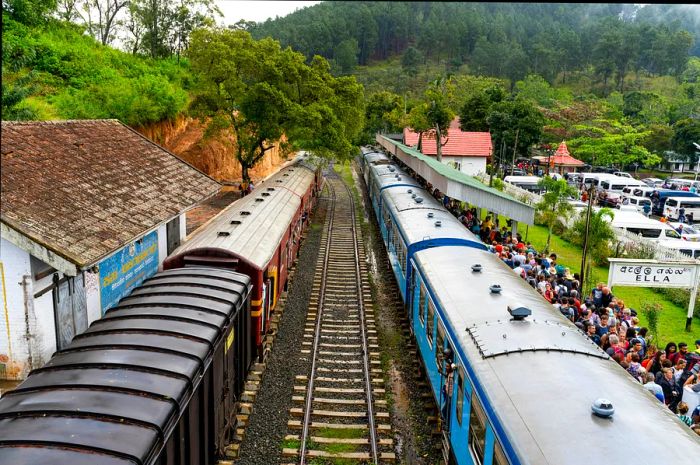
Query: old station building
(89, 210)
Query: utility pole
(515, 146)
(589, 188)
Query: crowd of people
(603, 317)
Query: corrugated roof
(458, 143)
(84, 189)
(458, 185)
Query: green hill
(55, 71)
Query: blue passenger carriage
(525, 376)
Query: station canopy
(458, 185)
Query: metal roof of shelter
(458, 185)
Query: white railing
(519, 193)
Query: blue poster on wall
(126, 269)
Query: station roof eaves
(458, 185)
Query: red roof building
(466, 151)
(561, 160)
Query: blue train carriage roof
(542, 375)
(413, 217)
(391, 175)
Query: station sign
(649, 274)
(127, 269)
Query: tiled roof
(562, 158)
(459, 143)
(84, 189)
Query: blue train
(526, 378)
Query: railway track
(340, 412)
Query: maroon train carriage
(258, 235)
(154, 382)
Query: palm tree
(554, 203)
(600, 232)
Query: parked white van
(637, 202)
(636, 223)
(691, 249)
(690, 204)
(617, 183)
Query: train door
(70, 309)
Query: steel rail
(317, 335)
(365, 348)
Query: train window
(499, 457)
(440, 344)
(477, 430)
(460, 395)
(421, 305)
(431, 322)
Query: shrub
(651, 311)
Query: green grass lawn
(672, 318)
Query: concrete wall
(468, 165)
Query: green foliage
(651, 311)
(686, 132)
(513, 119)
(536, 89)
(411, 60)
(12, 96)
(610, 143)
(384, 114)
(554, 205)
(261, 91)
(29, 12)
(346, 55)
(73, 76)
(645, 107)
(600, 234)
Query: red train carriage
(258, 235)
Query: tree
(346, 55)
(600, 233)
(101, 18)
(610, 143)
(511, 116)
(437, 111)
(261, 92)
(554, 203)
(383, 113)
(167, 24)
(411, 60)
(29, 12)
(686, 133)
(645, 107)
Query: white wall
(469, 165)
(23, 319)
(162, 245)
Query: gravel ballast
(262, 444)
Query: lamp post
(590, 188)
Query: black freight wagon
(156, 381)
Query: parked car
(623, 174)
(609, 199)
(688, 233)
(653, 182)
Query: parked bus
(659, 202)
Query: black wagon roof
(114, 395)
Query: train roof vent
(519, 313)
(286, 174)
(414, 195)
(223, 233)
(392, 169)
(236, 222)
(259, 199)
(398, 178)
(419, 199)
(431, 214)
(476, 268)
(245, 213)
(265, 194)
(270, 189)
(410, 191)
(603, 408)
(496, 289)
(278, 180)
(438, 223)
